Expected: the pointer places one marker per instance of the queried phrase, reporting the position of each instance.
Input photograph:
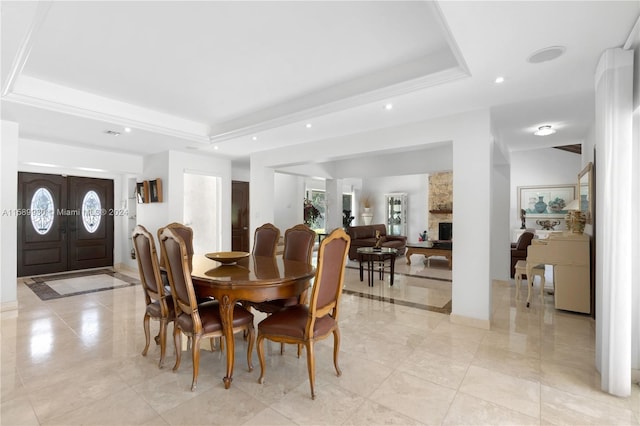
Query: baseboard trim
(124, 267)
(470, 322)
(9, 306)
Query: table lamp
(575, 218)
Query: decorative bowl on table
(227, 257)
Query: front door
(65, 223)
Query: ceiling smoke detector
(112, 132)
(546, 54)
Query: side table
(372, 256)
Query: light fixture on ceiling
(254, 138)
(545, 130)
(388, 106)
(546, 54)
(308, 125)
(112, 133)
(127, 129)
(499, 80)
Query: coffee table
(427, 249)
(379, 256)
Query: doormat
(50, 287)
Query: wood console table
(426, 248)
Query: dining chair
(298, 245)
(159, 304)
(185, 232)
(306, 324)
(265, 240)
(195, 320)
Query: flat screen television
(445, 231)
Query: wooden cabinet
(570, 256)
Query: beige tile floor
(76, 360)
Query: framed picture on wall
(545, 201)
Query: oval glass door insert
(42, 210)
(91, 211)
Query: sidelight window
(91, 211)
(42, 210)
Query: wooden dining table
(254, 279)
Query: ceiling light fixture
(308, 125)
(388, 107)
(499, 80)
(112, 132)
(545, 130)
(254, 138)
(127, 129)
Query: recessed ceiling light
(546, 54)
(112, 133)
(215, 148)
(127, 129)
(30, 163)
(388, 107)
(254, 138)
(90, 169)
(308, 125)
(499, 80)
(545, 130)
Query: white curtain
(614, 107)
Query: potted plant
(346, 218)
(311, 213)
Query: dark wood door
(240, 216)
(42, 232)
(90, 233)
(67, 223)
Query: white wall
(548, 166)
(8, 220)
(417, 189)
(181, 162)
(289, 195)
(156, 215)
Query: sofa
(519, 250)
(365, 236)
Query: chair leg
(145, 325)
(260, 348)
(195, 356)
(311, 367)
(336, 350)
(250, 348)
(163, 340)
(177, 342)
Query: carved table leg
(226, 314)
